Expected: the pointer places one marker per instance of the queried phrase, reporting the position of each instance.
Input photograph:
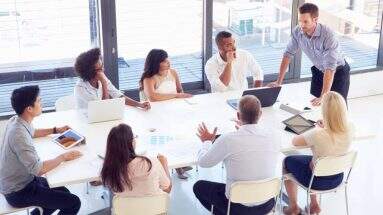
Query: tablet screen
(68, 138)
(299, 124)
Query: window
(172, 25)
(357, 26)
(39, 40)
(36, 33)
(260, 27)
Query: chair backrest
(65, 103)
(146, 205)
(333, 165)
(247, 192)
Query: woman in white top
(93, 83)
(332, 136)
(159, 82)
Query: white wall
(366, 84)
(361, 85)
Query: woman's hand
(183, 95)
(320, 123)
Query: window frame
(103, 23)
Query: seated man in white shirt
(94, 85)
(228, 69)
(250, 153)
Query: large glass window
(39, 40)
(43, 30)
(260, 27)
(172, 25)
(357, 26)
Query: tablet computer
(68, 139)
(298, 124)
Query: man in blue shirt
(318, 42)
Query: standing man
(318, 42)
(228, 69)
(20, 166)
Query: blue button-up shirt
(322, 48)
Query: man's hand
(204, 134)
(144, 105)
(316, 101)
(273, 84)
(230, 56)
(62, 129)
(71, 155)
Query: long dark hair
(152, 64)
(119, 153)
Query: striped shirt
(19, 162)
(322, 48)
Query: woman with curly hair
(94, 85)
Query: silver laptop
(106, 110)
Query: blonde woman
(331, 137)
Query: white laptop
(106, 110)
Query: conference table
(168, 128)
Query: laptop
(106, 110)
(266, 95)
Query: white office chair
(327, 166)
(5, 208)
(146, 205)
(248, 192)
(65, 103)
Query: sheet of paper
(191, 101)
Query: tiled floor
(365, 189)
